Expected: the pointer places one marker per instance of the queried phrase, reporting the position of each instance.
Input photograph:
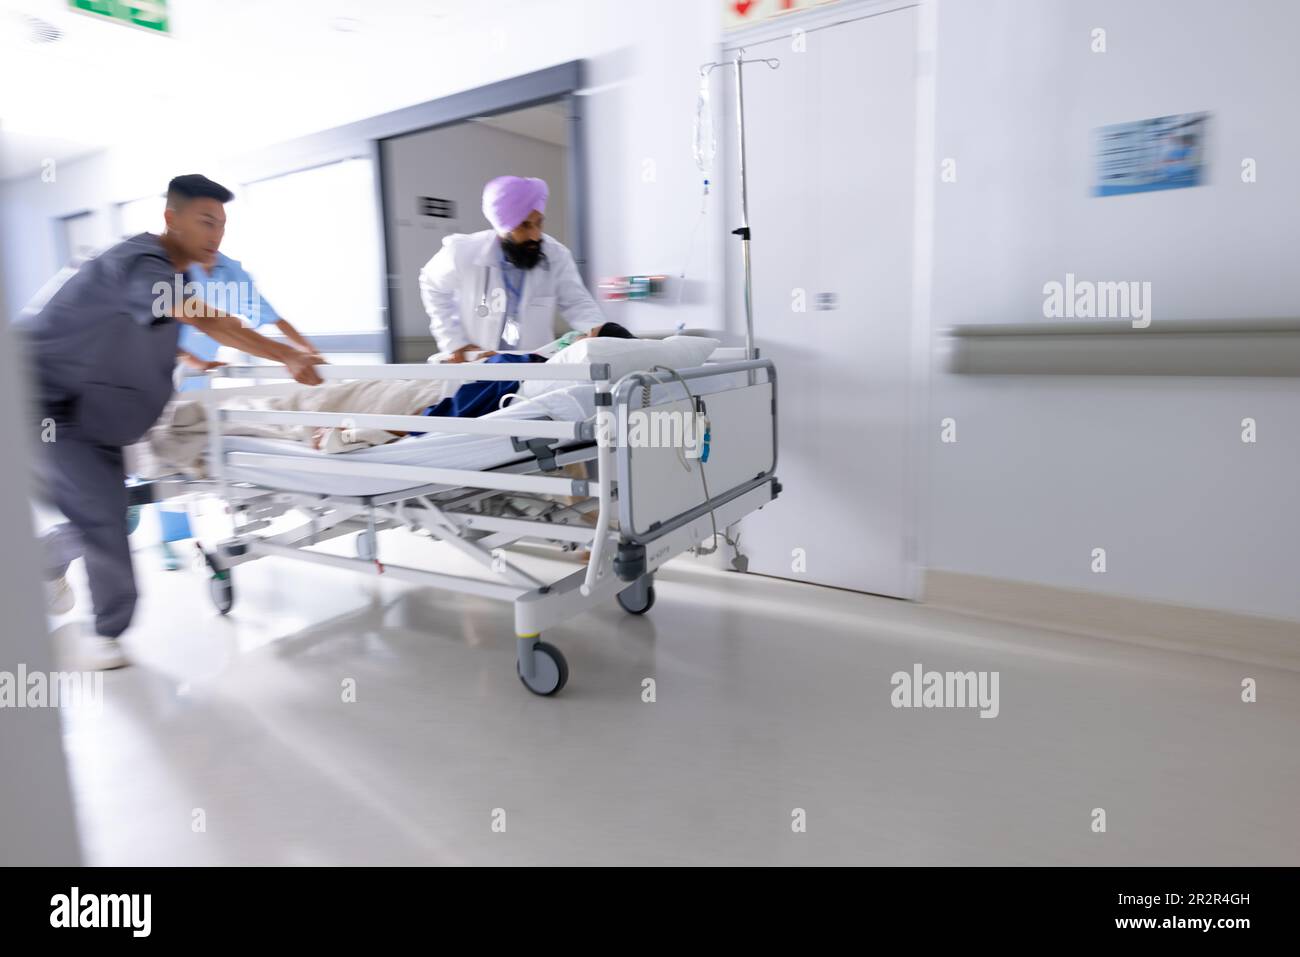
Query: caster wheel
(635, 604)
(222, 590)
(366, 546)
(550, 670)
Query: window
(84, 235)
(141, 216)
(311, 241)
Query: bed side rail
(445, 372)
(521, 428)
(657, 493)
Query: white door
(830, 160)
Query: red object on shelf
(614, 288)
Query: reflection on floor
(771, 696)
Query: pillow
(626, 355)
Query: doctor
(499, 289)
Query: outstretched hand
(303, 368)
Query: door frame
(364, 139)
(562, 82)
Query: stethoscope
(507, 329)
(482, 310)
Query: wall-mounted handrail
(1187, 347)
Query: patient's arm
(334, 439)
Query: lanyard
(514, 292)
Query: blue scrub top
(243, 299)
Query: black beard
(525, 255)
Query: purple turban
(507, 200)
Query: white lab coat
(468, 269)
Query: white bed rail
(415, 474)
(445, 372)
(521, 428)
(744, 419)
(524, 428)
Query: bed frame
(637, 508)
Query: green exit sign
(150, 14)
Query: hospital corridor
(590, 433)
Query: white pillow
(626, 355)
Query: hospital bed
(482, 485)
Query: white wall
(30, 210)
(645, 187)
(453, 162)
(1153, 470)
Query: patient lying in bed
(178, 442)
(474, 399)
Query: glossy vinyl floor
(771, 696)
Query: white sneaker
(97, 653)
(59, 596)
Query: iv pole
(739, 561)
(743, 230)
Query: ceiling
(235, 75)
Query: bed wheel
(550, 670)
(221, 587)
(366, 546)
(639, 597)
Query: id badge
(510, 334)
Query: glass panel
(141, 216)
(311, 242)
